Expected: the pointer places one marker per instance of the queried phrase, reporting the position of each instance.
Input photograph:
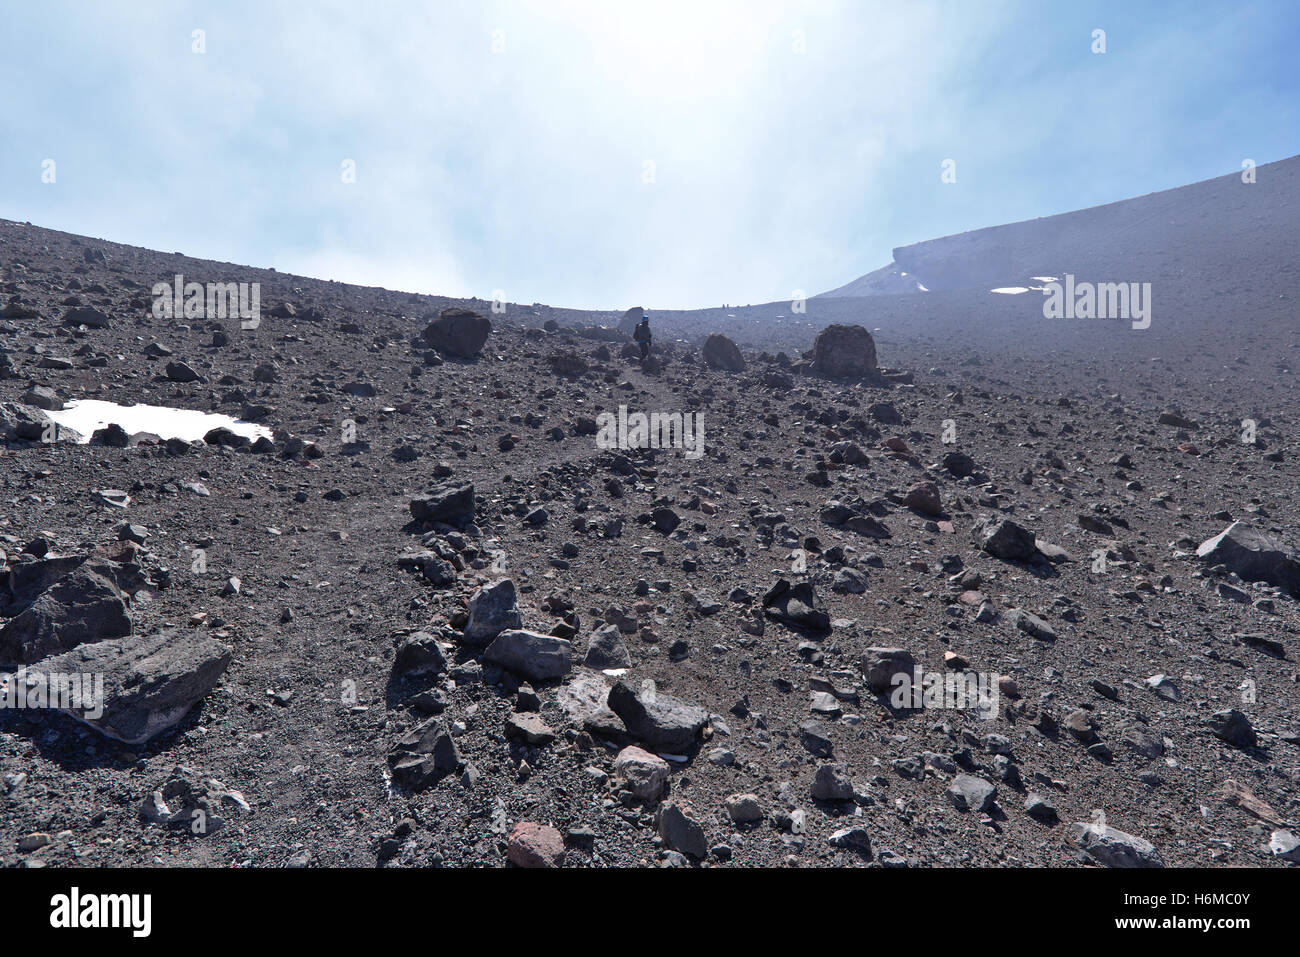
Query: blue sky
(503, 145)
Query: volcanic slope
(302, 749)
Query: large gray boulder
(681, 830)
(493, 609)
(536, 656)
(719, 352)
(1008, 540)
(1116, 848)
(22, 423)
(149, 683)
(627, 325)
(87, 316)
(449, 504)
(606, 650)
(28, 579)
(660, 720)
(880, 665)
(84, 606)
(458, 332)
(424, 755)
(970, 793)
(844, 352)
(1254, 555)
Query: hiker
(641, 335)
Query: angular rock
(831, 782)
(1232, 727)
(568, 364)
(528, 727)
(450, 504)
(181, 372)
(958, 464)
(43, 397)
(424, 755)
(815, 738)
(535, 845)
(1006, 540)
(661, 721)
(85, 316)
(28, 579)
(26, 423)
(493, 608)
(1284, 844)
(880, 665)
(606, 650)
(719, 352)
(1116, 848)
(854, 838)
(664, 519)
(1080, 724)
(969, 793)
(1031, 625)
(149, 683)
(419, 654)
(744, 809)
(642, 773)
(849, 581)
(681, 831)
(923, 497)
(1254, 555)
(795, 605)
(1037, 807)
(531, 654)
(84, 606)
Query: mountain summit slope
(1218, 226)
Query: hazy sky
(504, 145)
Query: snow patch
(86, 415)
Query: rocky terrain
(436, 616)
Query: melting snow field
(87, 415)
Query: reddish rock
(535, 845)
(924, 498)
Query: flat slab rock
(1116, 848)
(531, 654)
(149, 683)
(661, 721)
